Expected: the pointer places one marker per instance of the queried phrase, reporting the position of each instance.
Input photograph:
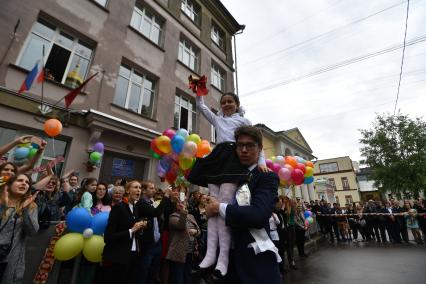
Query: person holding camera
(122, 248)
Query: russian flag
(36, 73)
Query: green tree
(395, 149)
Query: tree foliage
(395, 150)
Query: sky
(286, 41)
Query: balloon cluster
(177, 152)
(86, 235)
(25, 152)
(95, 156)
(308, 218)
(292, 170)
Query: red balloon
(155, 148)
(297, 176)
(301, 167)
(276, 167)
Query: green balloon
(95, 156)
(32, 153)
(154, 155)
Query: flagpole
(42, 82)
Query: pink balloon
(301, 167)
(284, 174)
(276, 167)
(169, 133)
(297, 176)
(269, 163)
(289, 167)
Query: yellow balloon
(93, 248)
(68, 246)
(309, 172)
(163, 144)
(185, 163)
(195, 138)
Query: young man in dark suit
(251, 262)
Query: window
(63, 52)
(345, 183)
(192, 10)
(101, 2)
(328, 168)
(348, 199)
(184, 116)
(188, 55)
(147, 23)
(332, 183)
(218, 77)
(134, 91)
(218, 36)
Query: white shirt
(130, 232)
(225, 125)
(273, 222)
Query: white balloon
(87, 233)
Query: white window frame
(103, 3)
(191, 10)
(187, 48)
(217, 77)
(218, 36)
(327, 167)
(154, 22)
(51, 42)
(141, 85)
(191, 112)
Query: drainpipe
(240, 31)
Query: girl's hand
(263, 168)
(29, 200)
(23, 139)
(4, 198)
(192, 232)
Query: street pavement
(362, 263)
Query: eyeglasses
(249, 146)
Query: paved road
(362, 263)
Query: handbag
(5, 248)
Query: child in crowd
(413, 225)
(84, 196)
(222, 172)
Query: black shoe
(217, 277)
(200, 271)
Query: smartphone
(182, 196)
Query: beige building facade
(340, 174)
(143, 52)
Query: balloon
(78, 219)
(52, 127)
(283, 182)
(194, 138)
(301, 167)
(163, 144)
(307, 214)
(160, 171)
(284, 174)
(177, 143)
(308, 180)
(279, 160)
(310, 220)
(290, 168)
(32, 153)
(306, 223)
(166, 163)
(68, 246)
(93, 248)
(185, 163)
(155, 148)
(99, 147)
(99, 223)
(169, 133)
(87, 233)
(300, 160)
(269, 163)
(171, 177)
(297, 176)
(182, 132)
(291, 161)
(276, 168)
(309, 164)
(309, 171)
(95, 157)
(154, 155)
(203, 149)
(189, 149)
(273, 159)
(21, 153)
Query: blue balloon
(182, 132)
(22, 152)
(99, 223)
(307, 214)
(177, 143)
(166, 163)
(308, 180)
(78, 219)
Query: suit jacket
(146, 211)
(263, 267)
(118, 243)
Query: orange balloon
(203, 149)
(291, 161)
(309, 164)
(52, 127)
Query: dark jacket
(118, 243)
(263, 267)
